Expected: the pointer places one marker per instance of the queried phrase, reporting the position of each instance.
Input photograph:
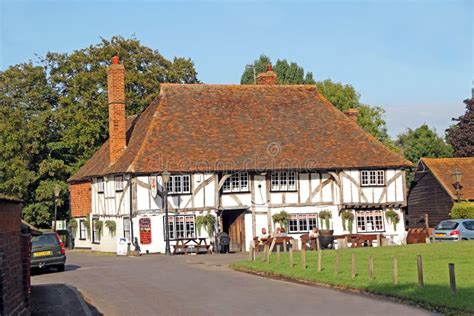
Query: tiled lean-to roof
(443, 168)
(200, 127)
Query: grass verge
(435, 294)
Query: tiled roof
(442, 169)
(242, 127)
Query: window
(82, 230)
(179, 184)
(369, 221)
(372, 177)
(301, 223)
(126, 228)
(181, 226)
(469, 225)
(100, 185)
(118, 183)
(95, 233)
(238, 182)
(284, 181)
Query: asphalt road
(202, 285)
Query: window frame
(118, 188)
(125, 230)
(82, 230)
(306, 217)
(366, 177)
(277, 178)
(172, 183)
(365, 214)
(100, 185)
(239, 179)
(95, 240)
(173, 227)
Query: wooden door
(237, 234)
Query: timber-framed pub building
(240, 153)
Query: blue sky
(413, 58)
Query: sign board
(153, 186)
(60, 225)
(122, 246)
(145, 231)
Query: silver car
(454, 229)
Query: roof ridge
(279, 86)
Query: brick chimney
(116, 94)
(268, 77)
(352, 114)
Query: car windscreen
(448, 225)
(44, 240)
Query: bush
(462, 210)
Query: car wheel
(60, 268)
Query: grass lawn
(435, 293)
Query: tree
(423, 142)
(54, 115)
(461, 134)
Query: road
(202, 285)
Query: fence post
(291, 255)
(265, 252)
(303, 257)
(254, 253)
(250, 253)
(419, 262)
(371, 267)
(270, 250)
(353, 266)
(336, 270)
(278, 254)
(394, 270)
(452, 278)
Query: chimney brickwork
(352, 114)
(116, 95)
(267, 78)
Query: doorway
(233, 224)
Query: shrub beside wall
(462, 210)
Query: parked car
(47, 250)
(454, 229)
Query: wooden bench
(184, 244)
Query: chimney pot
(352, 114)
(115, 60)
(269, 67)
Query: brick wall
(81, 198)
(15, 249)
(116, 95)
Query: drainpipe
(131, 211)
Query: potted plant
(392, 217)
(281, 218)
(347, 221)
(207, 221)
(326, 238)
(98, 225)
(73, 225)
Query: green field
(435, 293)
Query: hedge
(462, 210)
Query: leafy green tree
(423, 142)
(461, 134)
(54, 114)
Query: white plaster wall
(303, 186)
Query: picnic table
(196, 242)
(356, 240)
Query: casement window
(95, 233)
(372, 177)
(302, 223)
(181, 226)
(284, 181)
(118, 183)
(126, 228)
(369, 221)
(82, 230)
(179, 184)
(238, 182)
(100, 185)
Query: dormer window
(372, 178)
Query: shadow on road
(59, 299)
(46, 270)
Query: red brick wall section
(81, 199)
(116, 94)
(14, 261)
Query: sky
(413, 58)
